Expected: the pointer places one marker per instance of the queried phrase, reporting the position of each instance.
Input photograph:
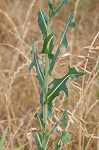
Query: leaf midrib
(67, 76)
(43, 19)
(64, 32)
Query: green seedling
(48, 92)
(2, 140)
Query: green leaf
(48, 44)
(63, 119)
(45, 145)
(63, 39)
(42, 125)
(35, 63)
(50, 110)
(60, 84)
(2, 140)
(64, 137)
(58, 145)
(38, 140)
(54, 11)
(50, 6)
(41, 122)
(51, 56)
(43, 22)
(51, 66)
(49, 106)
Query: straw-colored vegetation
(19, 91)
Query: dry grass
(19, 92)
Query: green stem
(45, 109)
(45, 106)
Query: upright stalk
(59, 84)
(45, 106)
(45, 111)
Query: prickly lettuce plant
(48, 92)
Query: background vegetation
(19, 91)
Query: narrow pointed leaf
(36, 64)
(54, 11)
(63, 39)
(64, 137)
(48, 44)
(50, 114)
(2, 140)
(41, 122)
(60, 84)
(51, 6)
(38, 140)
(51, 56)
(63, 119)
(49, 106)
(53, 61)
(58, 145)
(43, 22)
(46, 142)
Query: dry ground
(19, 92)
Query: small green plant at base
(48, 92)
(2, 140)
